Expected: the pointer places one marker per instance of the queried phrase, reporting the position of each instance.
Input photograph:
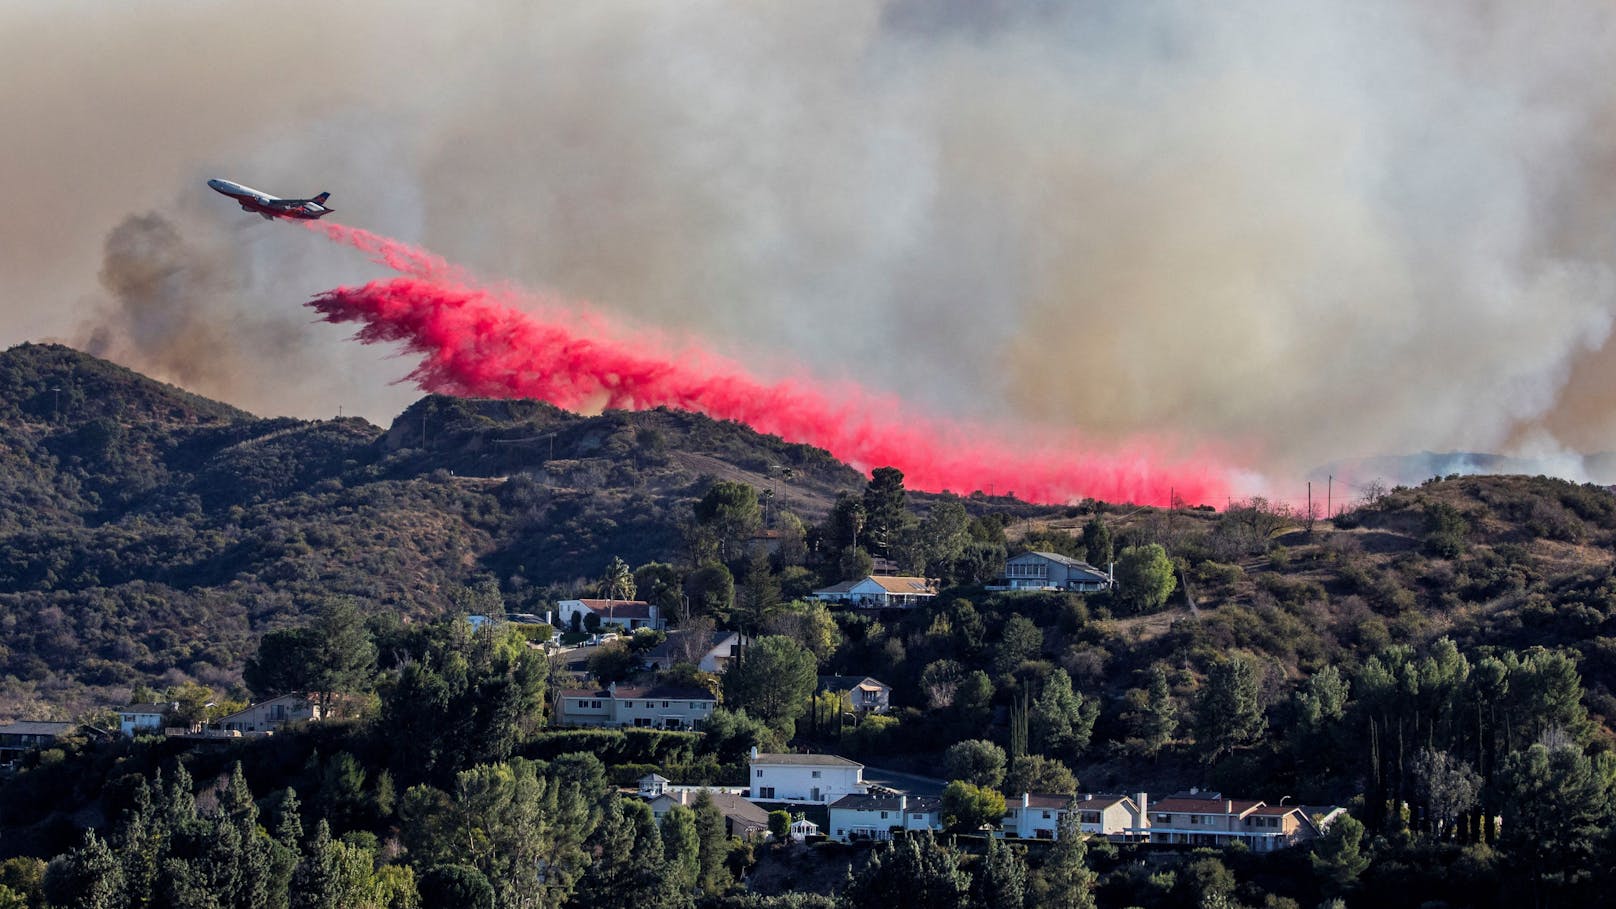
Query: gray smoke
(1296, 232)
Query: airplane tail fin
(320, 199)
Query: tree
(940, 540)
(710, 590)
(317, 882)
(940, 680)
(1153, 712)
(968, 807)
(1036, 773)
(886, 508)
(681, 845)
(1144, 576)
(973, 701)
(1065, 881)
(712, 846)
(915, 872)
(1229, 713)
(975, 761)
(772, 680)
(617, 583)
(809, 623)
(449, 886)
(1447, 786)
(1558, 805)
(1338, 856)
(89, 877)
(1097, 543)
(1000, 881)
(780, 825)
(1021, 641)
(758, 595)
(1062, 720)
(730, 510)
(613, 662)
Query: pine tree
(915, 872)
(1062, 720)
(712, 846)
(1160, 717)
(89, 877)
(1001, 878)
(681, 846)
(315, 883)
(1065, 881)
(1229, 713)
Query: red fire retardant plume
(478, 342)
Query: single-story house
(643, 706)
(819, 779)
(626, 615)
(1038, 815)
(741, 817)
(875, 817)
(712, 655)
(880, 591)
(1051, 571)
(866, 695)
(265, 717)
(18, 738)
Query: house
(860, 816)
(144, 719)
(1037, 816)
(1209, 819)
(626, 615)
(741, 817)
(23, 736)
(866, 695)
(711, 655)
(879, 591)
(818, 779)
(265, 717)
(642, 706)
(1051, 571)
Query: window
(760, 774)
(628, 703)
(816, 774)
(766, 793)
(664, 703)
(883, 815)
(1195, 819)
(1046, 815)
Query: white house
(1208, 819)
(1038, 815)
(720, 648)
(143, 719)
(643, 706)
(875, 817)
(818, 779)
(626, 615)
(879, 591)
(1051, 571)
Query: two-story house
(646, 707)
(1051, 571)
(858, 817)
(624, 615)
(864, 694)
(818, 779)
(1208, 819)
(144, 719)
(880, 591)
(1038, 815)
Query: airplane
(270, 207)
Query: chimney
(1026, 800)
(1228, 806)
(754, 752)
(903, 802)
(1143, 800)
(612, 689)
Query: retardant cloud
(1305, 231)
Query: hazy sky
(1302, 231)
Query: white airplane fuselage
(270, 206)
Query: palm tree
(618, 583)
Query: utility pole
(1310, 506)
(1329, 497)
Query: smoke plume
(1305, 231)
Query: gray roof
(915, 803)
(816, 760)
(36, 727)
(847, 682)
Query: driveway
(908, 782)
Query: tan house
(1208, 819)
(742, 818)
(264, 717)
(880, 591)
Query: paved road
(908, 782)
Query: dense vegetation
(1440, 659)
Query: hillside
(148, 534)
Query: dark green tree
(681, 846)
(1061, 720)
(710, 590)
(1558, 809)
(772, 680)
(967, 807)
(1338, 857)
(1229, 713)
(712, 846)
(1152, 713)
(1021, 641)
(317, 883)
(976, 761)
(1036, 773)
(731, 512)
(1065, 881)
(1097, 543)
(886, 509)
(450, 886)
(89, 877)
(1000, 880)
(915, 872)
